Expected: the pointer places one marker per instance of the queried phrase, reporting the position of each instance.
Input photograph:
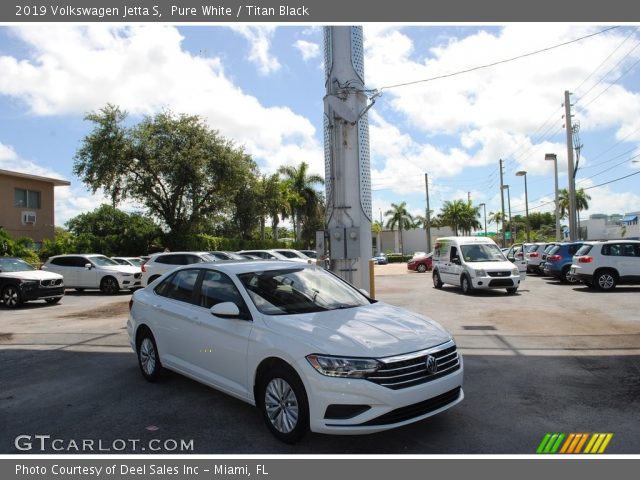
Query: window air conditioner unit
(29, 217)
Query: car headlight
(480, 273)
(126, 274)
(29, 284)
(343, 367)
(515, 271)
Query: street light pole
(523, 173)
(553, 157)
(484, 208)
(506, 187)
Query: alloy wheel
(281, 405)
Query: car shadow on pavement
(510, 403)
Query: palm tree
(582, 203)
(376, 229)
(497, 218)
(399, 218)
(300, 184)
(459, 215)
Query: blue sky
(263, 85)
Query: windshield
(136, 261)
(299, 290)
(485, 252)
(14, 265)
(103, 261)
(288, 254)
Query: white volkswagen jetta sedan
(307, 348)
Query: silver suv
(604, 265)
(161, 263)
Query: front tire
(52, 301)
(605, 280)
(148, 357)
(109, 285)
(437, 281)
(283, 401)
(11, 297)
(421, 268)
(566, 276)
(512, 291)
(465, 284)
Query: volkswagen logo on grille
(431, 364)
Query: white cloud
(308, 50)
(73, 70)
(259, 38)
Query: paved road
(552, 358)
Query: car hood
(31, 275)
(121, 269)
(491, 266)
(376, 330)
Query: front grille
(416, 410)
(499, 274)
(51, 283)
(502, 282)
(409, 370)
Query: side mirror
(456, 261)
(88, 266)
(225, 310)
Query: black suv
(21, 282)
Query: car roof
(159, 254)
(237, 267)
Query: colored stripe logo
(574, 443)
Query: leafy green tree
(181, 170)
(110, 231)
(400, 218)
(302, 197)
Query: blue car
(558, 262)
(380, 259)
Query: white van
(474, 262)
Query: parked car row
(597, 264)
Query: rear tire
(605, 280)
(437, 281)
(284, 405)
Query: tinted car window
(63, 261)
(179, 286)
(554, 250)
(612, 249)
(574, 248)
(631, 250)
(585, 249)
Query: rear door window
(179, 286)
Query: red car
(421, 264)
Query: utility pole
(502, 202)
(428, 216)
(347, 163)
(573, 224)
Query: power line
(499, 62)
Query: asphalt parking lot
(552, 358)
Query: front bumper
(387, 408)
(37, 292)
(489, 282)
